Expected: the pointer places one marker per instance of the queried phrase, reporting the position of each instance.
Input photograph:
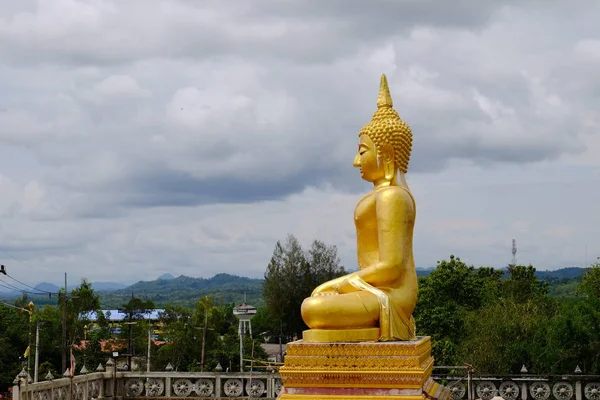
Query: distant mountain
(47, 287)
(108, 286)
(424, 271)
(562, 274)
(185, 290)
(227, 289)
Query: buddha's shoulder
(394, 194)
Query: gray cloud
(113, 112)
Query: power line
(38, 291)
(9, 286)
(14, 288)
(31, 287)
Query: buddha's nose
(357, 161)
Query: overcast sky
(141, 137)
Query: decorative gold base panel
(360, 371)
(341, 335)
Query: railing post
(578, 391)
(100, 368)
(16, 388)
(524, 384)
(218, 386)
(111, 369)
(469, 382)
(270, 386)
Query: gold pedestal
(360, 371)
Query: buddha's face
(366, 159)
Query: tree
(573, 338)
(49, 318)
(292, 275)
(522, 284)
(590, 285)
(509, 329)
(501, 337)
(445, 297)
(79, 304)
(136, 333)
(178, 331)
(82, 300)
(14, 330)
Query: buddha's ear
(387, 157)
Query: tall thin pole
(37, 352)
(149, 339)
(203, 339)
(64, 328)
(130, 350)
(241, 329)
(29, 344)
(280, 344)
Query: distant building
(116, 317)
(119, 315)
(273, 351)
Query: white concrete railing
(219, 385)
(522, 387)
(167, 384)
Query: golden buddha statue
(376, 302)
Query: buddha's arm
(395, 216)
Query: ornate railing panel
(81, 387)
(522, 387)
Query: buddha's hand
(328, 288)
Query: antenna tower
(514, 252)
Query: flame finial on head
(385, 98)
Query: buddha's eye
(362, 152)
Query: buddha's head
(385, 143)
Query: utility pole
(204, 329)
(203, 339)
(149, 340)
(37, 352)
(30, 306)
(130, 345)
(63, 345)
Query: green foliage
(573, 337)
(498, 323)
(590, 285)
(14, 329)
(178, 330)
(563, 289)
(522, 284)
(82, 300)
(183, 329)
(493, 319)
(503, 336)
(446, 296)
(291, 276)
